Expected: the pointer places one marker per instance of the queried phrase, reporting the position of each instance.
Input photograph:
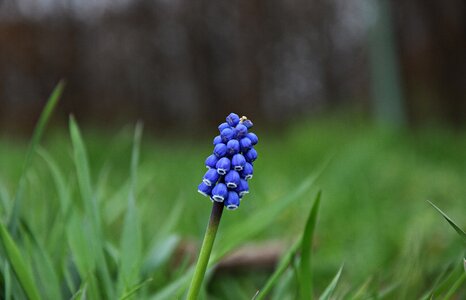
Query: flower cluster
(231, 164)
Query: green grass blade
(304, 268)
(90, 206)
(134, 289)
(461, 233)
(131, 240)
(59, 180)
(20, 267)
(7, 284)
(36, 137)
(332, 286)
(279, 271)
(81, 293)
(455, 287)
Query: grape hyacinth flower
(231, 161)
(230, 166)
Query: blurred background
(180, 64)
(371, 93)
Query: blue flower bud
(245, 144)
(223, 165)
(232, 201)
(223, 126)
(217, 140)
(211, 161)
(247, 172)
(241, 130)
(243, 188)
(232, 147)
(247, 123)
(220, 150)
(238, 162)
(219, 192)
(233, 119)
(253, 137)
(251, 155)
(232, 179)
(211, 177)
(204, 189)
(227, 134)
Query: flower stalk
(206, 249)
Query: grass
(101, 214)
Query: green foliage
(90, 227)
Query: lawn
(89, 223)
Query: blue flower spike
(225, 183)
(231, 164)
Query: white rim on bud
(202, 193)
(221, 171)
(207, 182)
(232, 185)
(243, 193)
(232, 207)
(218, 198)
(238, 168)
(248, 176)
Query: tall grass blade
(131, 240)
(456, 286)
(59, 180)
(461, 233)
(279, 271)
(134, 289)
(81, 293)
(304, 268)
(36, 137)
(7, 281)
(95, 235)
(21, 268)
(328, 292)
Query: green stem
(206, 249)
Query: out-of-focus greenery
(374, 217)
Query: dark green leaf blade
(36, 137)
(21, 268)
(451, 222)
(304, 268)
(332, 286)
